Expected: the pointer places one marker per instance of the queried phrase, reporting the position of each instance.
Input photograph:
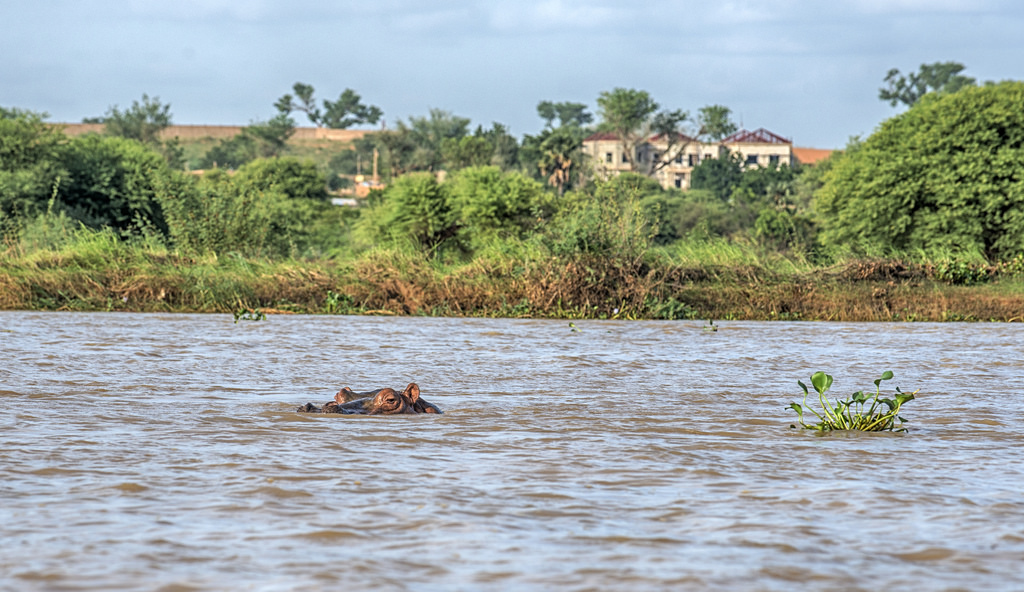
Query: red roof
(758, 136)
(811, 155)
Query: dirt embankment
(195, 132)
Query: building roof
(811, 155)
(683, 137)
(758, 136)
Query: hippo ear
(412, 392)
(341, 398)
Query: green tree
(142, 121)
(290, 177)
(210, 215)
(272, 135)
(555, 154)
(505, 147)
(30, 164)
(344, 112)
(784, 230)
(944, 174)
(633, 116)
(145, 122)
(467, 151)
(720, 176)
(428, 133)
(414, 208)
(567, 114)
(113, 182)
(606, 220)
(261, 139)
(488, 204)
(348, 110)
(715, 122)
(264, 210)
(560, 157)
(396, 147)
(306, 103)
(231, 153)
(942, 77)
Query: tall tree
(306, 103)
(506, 147)
(715, 122)
(567, 114)
(396, 149)
(554, 155)
(142, 121)
(633, 116)
(348, 110)
(559, 151)
(343, 113)
(945, 174)
(942, 77)
(428, 134)
(273, 134)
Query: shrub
(113, 182)
(944, 174)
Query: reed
(859, 412)
(61, 267)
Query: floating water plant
(859, 412)
(245, 314)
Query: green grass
(53, 263)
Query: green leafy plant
(881, 413)
(246, 314)
(336, 303)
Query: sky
(808, 70)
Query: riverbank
(115, 276)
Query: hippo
(385, 401)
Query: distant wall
(195, 132)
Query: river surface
(163, 452)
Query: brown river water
(163, 452)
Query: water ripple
(163, 452)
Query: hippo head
(386, 401)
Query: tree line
(940, 177)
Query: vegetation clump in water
(882, 413)
(247, 314)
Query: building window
(773, 159)
(624, 159)
(707, 157)
(752, 159)
(679, 182)
(692, 160)
(679, 158)
(607, 156)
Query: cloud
(923, 6)
(201, 10)
(548, 15)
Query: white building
(672, 165)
